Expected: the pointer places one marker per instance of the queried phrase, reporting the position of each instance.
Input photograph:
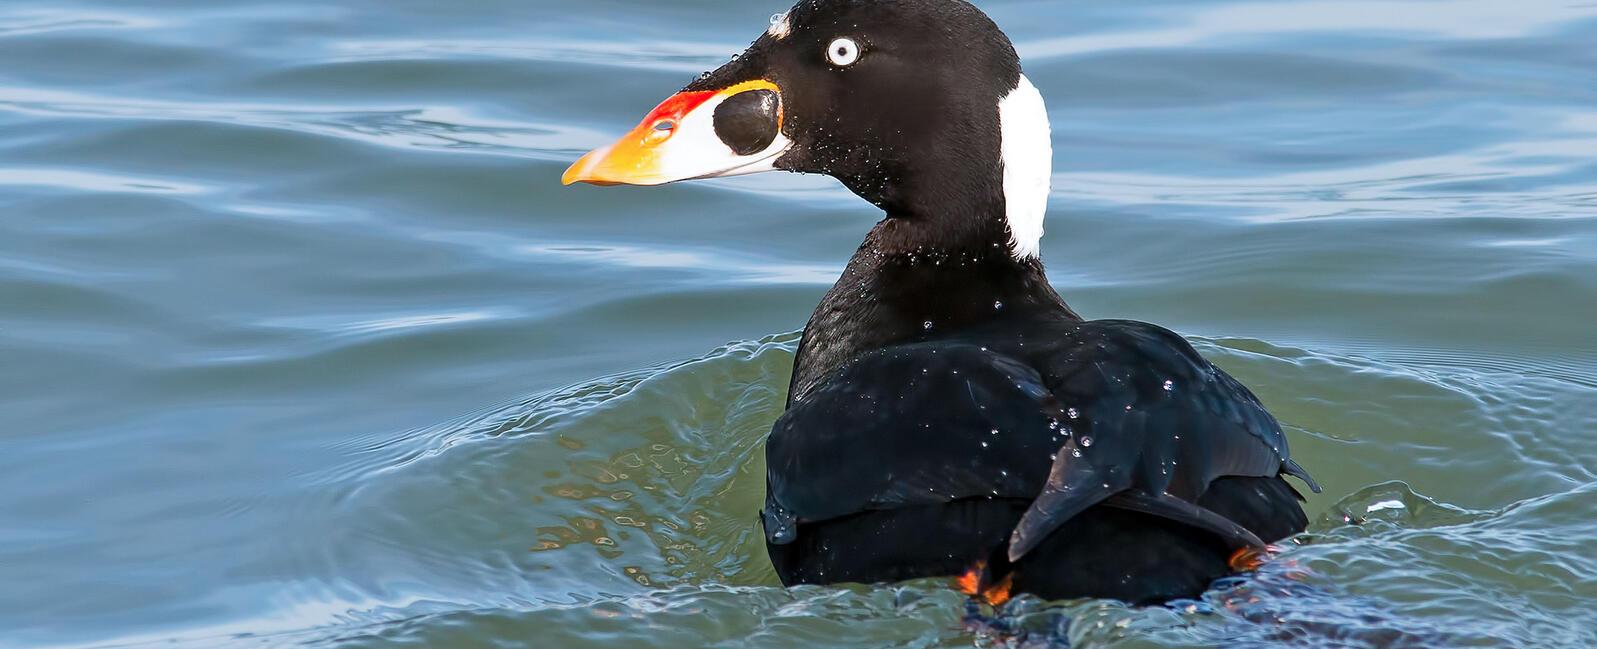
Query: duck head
(918, 106)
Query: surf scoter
(948, 413)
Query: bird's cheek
(697, 134)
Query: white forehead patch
(780, 27)
(1027, 147)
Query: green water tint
(302, 343)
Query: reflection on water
(301, 341)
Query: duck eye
(843, 52)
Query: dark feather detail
(893, 454)
(914, 424)
(1072, 487)
(1181, 511)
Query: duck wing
(909, 425)
(1152, 420)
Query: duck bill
(693, 134)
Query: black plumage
(948, 409)
(1090, 458)
(948, 412)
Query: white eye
(843, 52)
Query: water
(301, 343)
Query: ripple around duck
(1433, 424)
(620, 511)
(646, 477)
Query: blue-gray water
(302, 343)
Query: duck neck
(959, 248)
(912, 281)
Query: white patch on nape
(780, 27)
(1028, 154)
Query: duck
(949, 415)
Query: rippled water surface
(302, 343)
